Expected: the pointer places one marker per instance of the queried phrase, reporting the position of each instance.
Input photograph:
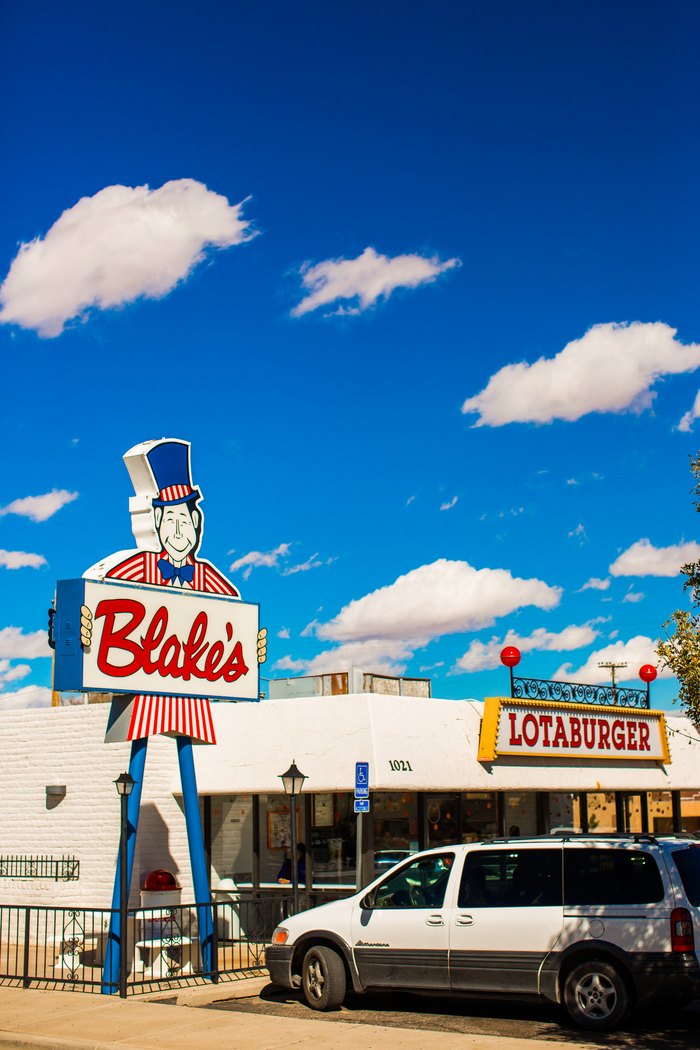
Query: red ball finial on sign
(510, 656)
(647, 673)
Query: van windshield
(688, 864)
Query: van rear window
(688, 864)
(611, 876)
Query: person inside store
(284, 875)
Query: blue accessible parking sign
(361, 805)
(361, 780)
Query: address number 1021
(400, 765)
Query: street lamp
(124, 785)
(293, 782)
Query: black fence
(60, 869)
(66, 947)
(579, 693)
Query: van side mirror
(368, 900)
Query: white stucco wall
(326, 736)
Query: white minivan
(596, 923)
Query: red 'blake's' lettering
(168, 657)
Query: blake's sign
(539, 729)
(158, 641)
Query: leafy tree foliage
(680, 649)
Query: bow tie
(169, 572)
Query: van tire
(596, 996)
(323, 979)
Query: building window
(395, 820)
(333, 839)
(479, 816)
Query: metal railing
(579, 693)
(60, 869)
(66, 947)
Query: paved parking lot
(657, 1030)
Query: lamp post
(124, 785)
(293, 782)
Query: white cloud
(595, 584)
(123, 243)
(8, 673)
(314, 562)
(27, 696)
(633, 596)
(258, 559)
(286, 663)
(572, 481)
(579, 533)
(610, 369)
(441, 598)
(40, 508)
(484, 656)
(686, 423)
(410, 500)
(366, 279)
(377, 655)
(15, 645)
(636, 652)
(283, 632)
(21, 560)
(450, 504)
(643, 559)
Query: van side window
(611, 876)
(511, 879)
(420, 884)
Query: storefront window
(601, 811)
(565, 812)
(395, 820)
(520, 813)
(231, 837)
(660, 812)
(442, 818)
(479, 816)
(333, 839)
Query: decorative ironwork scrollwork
(579, 693)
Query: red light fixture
(510, 656)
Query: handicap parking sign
(362, 780)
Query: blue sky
(393, 213)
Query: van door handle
(465, 920)
(435, 920)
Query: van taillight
(682, 939)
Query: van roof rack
(576, 836)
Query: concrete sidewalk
(56, 1020)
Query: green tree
(680, 649)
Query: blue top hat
(170, 465)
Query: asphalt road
(658, 1030)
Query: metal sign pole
(358, 853)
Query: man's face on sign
(177, 529)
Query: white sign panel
(538, 729)
(158, 641)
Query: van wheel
(323, 979)
(595, 995)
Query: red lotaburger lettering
(166, 656)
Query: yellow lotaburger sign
(542, 729)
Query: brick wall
(64, 746)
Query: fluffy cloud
(365, 279)
(40, 508)
(610, 369)
(441, 598)
(633, 596)
(15, 645)
(484, 656)
(450, 503)
(686, 423)
(595, 584)
(643, 559)
(314, 562)
(377, 656)
(637, 651)
(121, 244)
(12, 674)
(21, 560)
(27, 696)
(258, 559)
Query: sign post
(360, 806)
(165, 632)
